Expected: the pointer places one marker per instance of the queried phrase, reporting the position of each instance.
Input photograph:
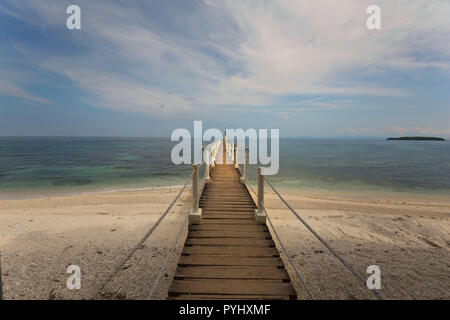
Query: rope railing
(209, 158)
(337, 255)
(139, 244)
(378, 294)
(285, 250)
(210, 153)
(1, 282)
(169, 255)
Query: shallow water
(38, 166)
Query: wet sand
(408, 237)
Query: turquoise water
(66, 165)
(41, 166)
(365, 165)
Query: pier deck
(228, 255)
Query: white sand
(408, 238)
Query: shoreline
(63, 194)
(364, 194)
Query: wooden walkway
(228, 255)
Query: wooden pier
(227, 253)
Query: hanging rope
(285, 251)
(345, 263)
(139, 244)
(169, 255)
(1, 282)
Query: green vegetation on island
(417, 138)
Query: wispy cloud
(179, 57)
(9, 89)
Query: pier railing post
(243, 168)
(196, 213)
(236, 164)
(207, 162)
(260, 216)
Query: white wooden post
(260, 216)
(196, 212)
(243, 168)
(231, 151)
(207, 161)
(236, 164)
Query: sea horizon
(168, 137)
(33, 167)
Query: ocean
(33, 167)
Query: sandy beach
(408, 237)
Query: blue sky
(145, 68)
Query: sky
(145, 68)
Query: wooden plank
(226, 297)
(230, 241)
(224, 204)
(228, 227)
(224, 193)
(220, 195)
(220, 201)
(230, 207)
(229, 261)
(233, 209)
(226, 199)
(229, 210)
(231, 286)
(229, 213)
(228, 216)
(214, 272)
(229, 234)
(230, 221)
(221, 191)
(210, 212)
(222, 250)
(249, 212)
(224, 211)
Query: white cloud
(294, 47)
(9, 89)
(250, 53)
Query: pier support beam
(260, 216)
(195, 215)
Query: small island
(418, 138)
